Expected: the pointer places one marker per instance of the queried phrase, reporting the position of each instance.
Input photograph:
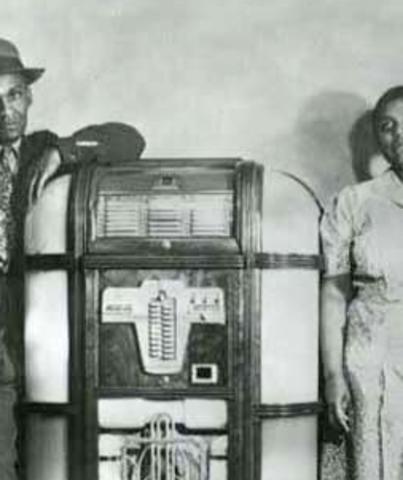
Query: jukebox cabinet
(171, 324)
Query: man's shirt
(10, 154)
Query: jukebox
(171, 324)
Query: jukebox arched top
(151, 206)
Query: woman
(362, 308)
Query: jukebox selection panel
(159, 215)
(163, 204)
(163, 329)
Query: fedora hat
(108, 142)
(10, 62)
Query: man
(26, 163)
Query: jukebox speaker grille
(190, 215)
(161, 453)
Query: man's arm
(44, 151)
(48, 164)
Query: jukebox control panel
(162, 312)
(164, 328)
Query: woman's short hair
(390, 95)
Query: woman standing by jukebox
(362, 308)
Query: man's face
(389, 130)
(15, 100)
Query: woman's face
(389, 131)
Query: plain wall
(283, 82)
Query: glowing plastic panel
(218, 470)
(135, 413)
(46, 448)
(46, 337)
(289, 336)
(110, 451)
(46, 222)
(290, 216)
(289, 449)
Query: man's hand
(7, 371)
(47, 166)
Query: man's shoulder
(35, 146)
(37, 142)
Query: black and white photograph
(201, 240)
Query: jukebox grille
(196, 215)
(162, 454)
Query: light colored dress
(362, 234)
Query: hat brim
(31, 75)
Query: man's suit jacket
(32, 150)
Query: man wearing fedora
(26, 163)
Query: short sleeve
(336, 231)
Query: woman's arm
(335, 294)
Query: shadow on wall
(332, 143)
(368, 162)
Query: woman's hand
(338, 402)
(335, 294)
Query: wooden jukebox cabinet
(171, 324)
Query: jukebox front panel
(164, 293)
(166, 334)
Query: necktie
(7, 224)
